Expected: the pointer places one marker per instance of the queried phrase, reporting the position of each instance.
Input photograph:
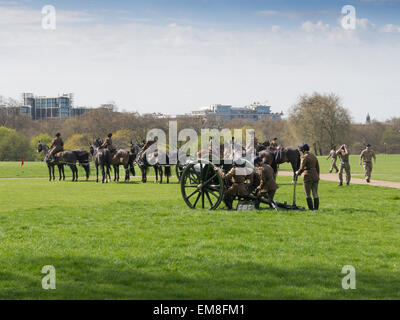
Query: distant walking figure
(344, 154)
(366, 157)
(333, 155)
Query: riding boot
(228, 201)
(316, 203)
(310, 204)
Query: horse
(289, 155)
(66, 158)
(102, 158)
(148, 159)
(119, 157)
(133, 153)
(50, 164)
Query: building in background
(42, 107)
(255, 111)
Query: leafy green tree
(320, 120)
(78, 141)
(13, 146)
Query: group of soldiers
(366, 157)
(263, 180)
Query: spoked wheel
(201, 186)
(179, 168)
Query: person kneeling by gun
(267, 186)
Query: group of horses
(104, 160)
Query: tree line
(318, 119)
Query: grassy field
(387, 168)
(140, 241)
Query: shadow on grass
(80, 277)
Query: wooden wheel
(201, 186)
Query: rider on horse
(57, 145)
(147, 145)
(107, 144)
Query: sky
(176, 56)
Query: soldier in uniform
(147, 145)
(238, 180)
(333, 155)
(366, 157)
(267, 186)
(344, 154)
(107, 144)
(57, 145)
(273, 145)
(310, 166)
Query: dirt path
(334, 177)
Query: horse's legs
(103, 174)
(49, 172)
(76, 173)
(161, 173)
(59, 172)
(97, 172)
(126, 166)
(63, 172)
(86, 167)
(52, 170)
(108, 169)
(115, 173)
(156, 172)
(144, 176)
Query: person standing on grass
(366, 157)
(310, 166)
(333, 155)
(344, 154)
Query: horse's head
(41, 147)
(91, 147)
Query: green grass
(140, 241)
(387, 167)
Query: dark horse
(120, 157)
(153, 159)
(66, 158)
(289, 155)
(277, 157)
(102, 158)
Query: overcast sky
(177, 56)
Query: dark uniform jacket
(238, 187)
(57, 145)
(310, 166)
(107, 144)
(267, 179)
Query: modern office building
(255, 111)
(42, 107)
